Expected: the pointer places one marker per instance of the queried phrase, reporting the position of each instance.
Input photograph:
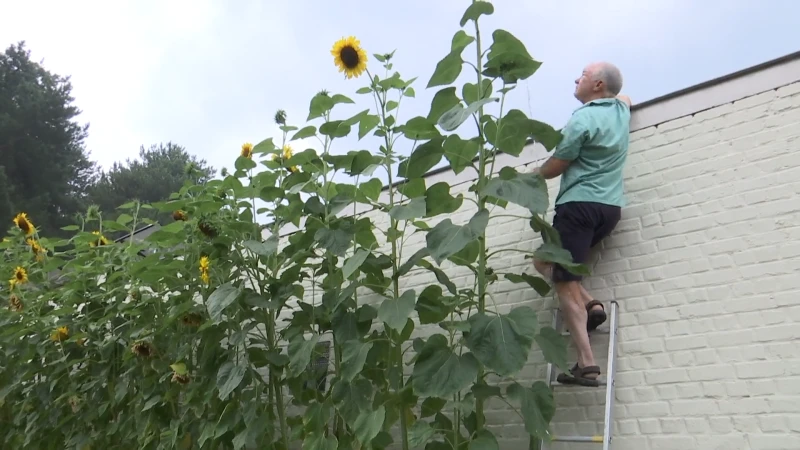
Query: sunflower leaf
(459, 152)
(447, 70)
(443, 101)
(320, 104)
(475, 10)
(339, 98)
(308, 131)
(460, 41)
(419, 128)
(335, 129)
(367, 124)
(422, 159)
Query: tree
(46, 166)
(158, 172)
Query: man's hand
(625, 99)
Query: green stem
(395, 267)
(482, 238)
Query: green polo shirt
(595, 141)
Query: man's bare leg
(574, 309)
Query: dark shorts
(581, 226)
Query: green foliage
(46, 167)
(215, 331)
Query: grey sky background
(210, 74)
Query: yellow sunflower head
(204, 266)
(60, 334)
(247, 150)
(36, 248)
(287, 151)
(349, 57)
(143, 349)
(293, 169)
(101, 240)
(179, 215)
(20, 277)
(23, 223)
(15, 304)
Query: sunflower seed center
(349, 57)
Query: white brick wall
(705, 265)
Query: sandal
(578, 376)
(595, 316)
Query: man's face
(584, 86)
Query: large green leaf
(305, 132)
(460, 153)
(267, 248)
(353, 358)
(320, 104)
(420, 433)
(419, 129)
(554, 347)
(352, 399)
(371, 189)
(368, 424)
(446, 239)
(438, 372)
(422, 159)
(460, 41)
(447, 70)
(484, 440)
(336, 241)
(538, 284)
(430, 306)
(318, 441)
(300, 354)
(229, 377)
(537, 406)
(475, 10)
(558, 255)
(220, 299)
(335, 129)
(509, 59)
(394, 312)
(443, 101)
(455, 116)
(502, 342)
(408, 211)
(515, 128)
(439, 201)
(525, 189)
(354, 262)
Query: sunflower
(20, 277)
(207, 229)
(23, 223)
(101, 240)
(143, 349)
(192, 320)
(287, 151)
(60, 334)
(36, 248)
(247, 150)
(293, 169)
(180, 378)
(280, 117)
(179, 215)
(15, 304)
(204, 265)
(349, 57)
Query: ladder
(608, 382)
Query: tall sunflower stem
(479, 406)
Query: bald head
(609, 75)
(598, 80)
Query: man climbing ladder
(590, 160)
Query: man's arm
(552, 168)
(625, 99)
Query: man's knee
(543, 267)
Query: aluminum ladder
(608, 382)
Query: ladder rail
(611, 372)
(611, 369)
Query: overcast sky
(209, 75)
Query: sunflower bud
(280, 117)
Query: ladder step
(602, 382)
(578, 439)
